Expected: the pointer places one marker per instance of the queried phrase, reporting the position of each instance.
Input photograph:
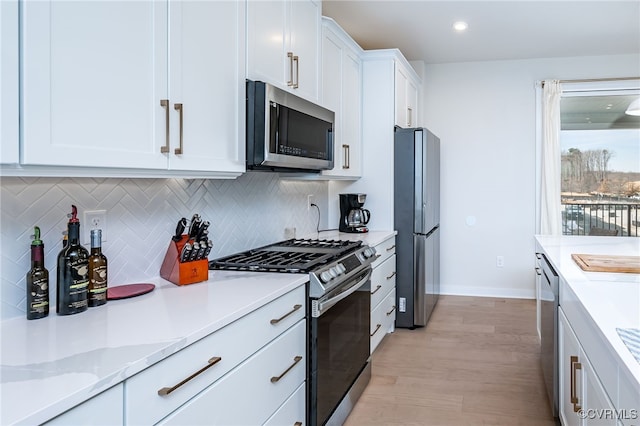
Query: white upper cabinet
(342, 93)
(283, 41)
(207, 85)
(9, 82)
(406, 96)
(100, 88)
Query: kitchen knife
(208, 249)
(202, 231)
(203, 247)
(194, 252)
(193, 225)
(186, 252)
(182, 224)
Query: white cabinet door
(304, 36)
(267, 40)
(207, 86)
(9, 68)
(342, 93)
(93, 76)
(283, 44)
(401, 96)
(406, 98)
(600, 409)
(571, 374)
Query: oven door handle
(327, 304)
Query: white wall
(484, 114)
(245, 213)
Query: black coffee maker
(353, 217)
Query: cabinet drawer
(232, 344)
(385, 249)
(383, 279)
(292, 412)
(253, 391)
(382, 319)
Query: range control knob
(334, 272)
(368, 252)
(325, 277)
(341, 268)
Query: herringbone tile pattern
(247, 212)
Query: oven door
(338, 344)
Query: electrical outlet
(499, 261)
(96, 219)
(311, 199)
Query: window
(600, 162)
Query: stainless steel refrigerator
(417, 220)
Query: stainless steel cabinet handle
(166, 391)
(165, 104)
(409, 118)
(290, 56)
(346, 160)
(297, 424)
(393, 308)
(296, 360)
(574, 365)
(391, 248)
(178, 107)
(376, 330)
(378, 287)
(393, 274)
(538, 271)
(297, 61)
(295, 308)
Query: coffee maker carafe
(353, 217)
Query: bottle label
(40, 296)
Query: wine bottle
(37, 281)
(97, 291)
(73, 271)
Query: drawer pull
(376, 290)
(538, 271)
(297, 424)
(391, 248)
(376, 330)
(213, 361)
(296, 360)
(295, 308)
(393, 308)
(393, 274)
(574, 365)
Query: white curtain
(550, 215)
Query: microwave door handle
(325, 305)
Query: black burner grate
(294, 256)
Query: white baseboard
(510, 293)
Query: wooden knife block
(182, 273)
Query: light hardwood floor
(476, 363)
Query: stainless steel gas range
(338, 314)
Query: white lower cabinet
(292, 412)
(583, 399)
(103, 409)
(383, 292)
(230, 376)
(252, 392)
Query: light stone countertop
(53, 364)
(610, 300)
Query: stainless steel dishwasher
(549, 302)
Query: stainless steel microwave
(286, 132)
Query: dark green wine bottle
(37, 281)
(73, 272)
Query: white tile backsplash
(247, 212)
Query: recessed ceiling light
(460, 26)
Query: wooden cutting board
(607, 263)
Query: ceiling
(498, 30)
(597, 112)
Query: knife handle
(194, 252)
(207, 250)
(186, 252)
